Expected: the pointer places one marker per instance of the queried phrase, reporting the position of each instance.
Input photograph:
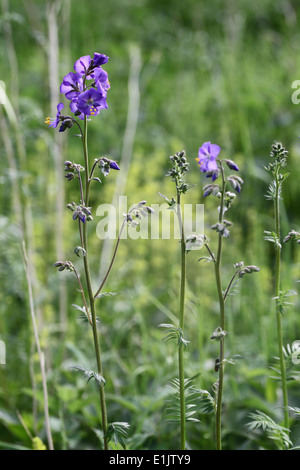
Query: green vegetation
(181, 73)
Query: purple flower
(207, 156)
(85, 65)
(55, 122)
(72, 84)
(74, 108)
(99, 59)
(101, 81)
(82, 65)
(90, 102)
(66, 121)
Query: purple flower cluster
(208, 160)
(207, 157)
(86, 88)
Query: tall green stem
(90, 292)
(278, 312)
(181, 324)
(222, 320)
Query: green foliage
(117, 432)
(199, 81)
(90, 374)
(174, 333)
(279, 434)
(173, 412)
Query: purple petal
(82, 64)
(71, 85)
(99, 59)
(214, 150)
(204, 149)
(212, 165)
(101, 80)
(60, 106)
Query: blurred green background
(181, 73)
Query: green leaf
(260, 420)
(174, 332)
(105, 294)
(117, 432)
(90, 374)
(273, 238)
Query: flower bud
(232, 165)
(113, 165)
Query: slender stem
(82, 241)
(82, 294)
(230, 285)
(90, 292)
(210, 252)
(181, 325)
(278, 313)
(81, 188)
(222, 320)
(93, 168)
(112, 260)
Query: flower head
(207, 156)
(86, 88)
(72, 85)
(101, 81)
(82, 65)
(66, 121)
(54, 122)
(85, 65)
(90, 102)
(99, 59)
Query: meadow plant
(276, 168)
(214, 167)
(86, 89)
(177, 172)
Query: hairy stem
(278, 312)
(90, 292)
(82, 294)
(222, 320)
(112, 260)
(181, 325)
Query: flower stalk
(86, 101)
(222, 318)
(279, 156)
(90, 291)
(213, 167)
(181, 323)
(177, 173)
